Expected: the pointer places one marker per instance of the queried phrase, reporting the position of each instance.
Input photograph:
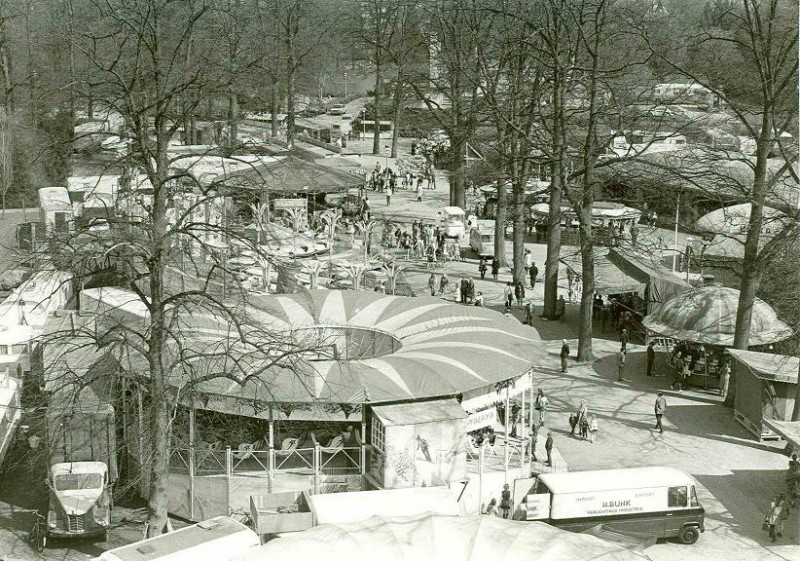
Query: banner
(493, 397)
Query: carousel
(701, 323)
(327, 390)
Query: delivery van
(220, 539)
(481, 238)
(658, 502)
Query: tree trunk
(558, 174)
(458, 195)
(518, 216)
(751, 266)
(398, 113)
(500, 223)
(275, 105)
(376, 97)
(585, 353)
(233, 115)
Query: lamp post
(363, 113)
(345, 87)
(689, 249)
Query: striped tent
(346, 347)
(707, 315)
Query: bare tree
(6, 156)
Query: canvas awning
(439, 538)
(788, 430)
(661, 283)
(768, 366)
(608, 277)
(290, 175)
(402, 414)
(348, 508)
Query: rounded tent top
(707, 315)
(603, 210)
(724, 230)
(360, 347)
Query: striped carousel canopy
(707, 315)
(346, 347)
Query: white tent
(440, 538)
(359, 506)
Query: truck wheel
(689, 535)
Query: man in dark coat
(534, 272)
(564, 354)
(548, 447)
(651, 358)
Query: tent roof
(768, 366)
(291, 175)
(707, 315)
(419, 413)
(347, 508)
(439, 538)
(428, 348)
(729, 227)
(608, 277)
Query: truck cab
(80, 499)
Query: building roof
(768, 366)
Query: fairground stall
(703, 320)
(327, 398)
(766, 386)
(611, 222)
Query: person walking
(592, 428)
(432, 284)
(775, 516)
(529, 312)
(540, 405)
(482, 268)
(624, 338)
(495, 268)
(388, 192)
(651, 357)
(464, 290)
(548, 447)
(444, 283)
(582, 420)
(534, 272)
(561, 307)
(534, 437)
(528, 260)
(620, 365)
(508, 292)
(660, 408)
(519, 292)
(564, 354)
(570, 277)
(505, 501)
(470, 290)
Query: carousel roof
(346, 347)
(727, 227)
(707, 315)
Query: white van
(481, 238)
(452, 220)
(219, 538)
(650, 501)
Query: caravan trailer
(55, 210)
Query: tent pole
(271, 443)
(480, 478)
(523, 435)
(508, 435)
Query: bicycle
(37, 537)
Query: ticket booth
(416, 444)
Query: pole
(191, 462)
(675, 242)
(480, 478)
(531, 451)
(505, 447)
(688, 256)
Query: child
(592, 427)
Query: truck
(655, 501)
(82, 469)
